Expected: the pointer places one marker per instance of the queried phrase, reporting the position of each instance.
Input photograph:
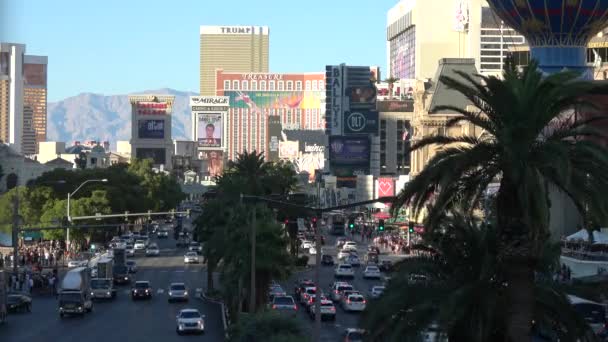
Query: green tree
(267, 326)
(463, 289)
(81, 161)
(391, 85)
(528, 146)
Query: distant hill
(99, 117)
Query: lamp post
(67, 239)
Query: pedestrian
(30, 284)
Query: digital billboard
(386, 187)
(361, 122)
(276, 99)
(210, 129)
(288, 149)
(34, 74)
(349, 155)
(156, 154)
(151, 129)
(215, 161)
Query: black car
(373, 249)
(141, 289)
(386, 266)
(327, 260)
(17, 302)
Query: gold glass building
(34, 102)
(233, 49)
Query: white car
(130, 250)
(371, 272)
(312, 250)
(77, 263)
(344, 270)
(354, 302)
(344, 254)
(349, 248)
(327, 310)
(178, 291)
(353, 259)
(195, 247)
(152, 250)
(305, 295)
(306, 244)
(338, 288)
(190, 320)
(191, 258)
(139, 245)
(377, 291)
(350, 244)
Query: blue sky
(121, 46)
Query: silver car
(190, 320)
(178, 292)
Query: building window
(244, 85)
(321, 85)
(402, 51)
(235, 85)
(307, 86)
(281, 85)
(226, 85)
(289, 85)
(254, 85)
(298, 85)
(262, 85)
(271, 85)
(314, 85)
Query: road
(123, 319)
(332, 330)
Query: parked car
(18, 302)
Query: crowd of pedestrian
(36, 255)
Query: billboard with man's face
(210, 129)
(215, 161)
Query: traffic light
(411, 227)
(381, 225)
(351, 224)
(286, 221)
(314, 220)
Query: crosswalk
(197, 290)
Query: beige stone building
(233, 49)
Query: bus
(336, 223)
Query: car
(328, 310)
(129, 250)
(417, 279)
(344, 270)
(190, 320)
(139, 245)
(353, 302)
(373, 249)
(284, 304)
(312, 250)
(371, 272)
(301, 285)
(77, 263)
(327, 260)
(141, 289)
(350, 244)
(386, 266)
(340, 242)
(152, 250)
(177, 292)
(275, 290)
(162, 234)
(344, 254)
(305, 295)
(312, 300)
(338, 288)
(371, 258)
(376, 291)
(127, 238)
(353, 259)
(131, 266)
(306, 244)
(191, 258)
(18, 302)
(348, 248)
(195, 247)
(354, 335)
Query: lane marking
(180, 271)
(160, 291)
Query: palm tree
(391, 83)
(464, 292)
(267, 326)
(252, 168)
(527, 146)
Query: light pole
(67, 238)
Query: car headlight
(92, 293)
(108, 293)
(126, 278)
(170, 293)
(80, 308)
(185, 293)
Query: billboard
(152, 108)
(395, 106)
(349, 155)
(334, 90)
(215, 161)
(386, 187)
(34, 75)
(362, 95)
(209, 103)
(361, 122)
(156, 154)
(288, 149)
(210, 129)
(256, 100)
(151, 129)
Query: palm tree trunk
(520, 293)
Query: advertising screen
(349, 150)
(288, 149)
(151, 129)
(361, 121)
(386, 187)
(210, 129)
(215, 162)
(34, 74)
(156, 154)
(276, 99)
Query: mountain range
(100, 117)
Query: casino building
(262, 105)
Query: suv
(328, 310)
(141, 289)
(327, 260)
(195, 247)
(338, 288)
(284, 304)
(344, 270)
(353, 302)
(178, 291)
(301, 285)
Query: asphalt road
(123, 319)
(333, 330)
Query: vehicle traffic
(75, 292)
(190, 320)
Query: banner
(215, 162)
(349, 150)
(210, 129)
(151, 129)
(361, 122)
(258, 100)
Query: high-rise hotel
(23, 98)
(233, 49)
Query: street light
(67, 239)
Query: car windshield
(178, 287)
(191, 254)
(190, 314)
(346, 267)
(355, 298)
(311, 290)
(326, 303)
(153, 247)
(355, 336)
(100, 283)
(142, 285)
(194, 244)
(379, 288)
(373, 269)
(14, 298)
(70, 297)
(130, 263)
(345, 288)
(139, 242)
(283, 300)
